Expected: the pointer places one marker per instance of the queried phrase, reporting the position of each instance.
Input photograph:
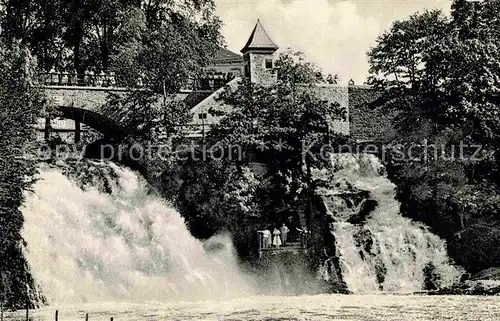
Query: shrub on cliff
(20, 105)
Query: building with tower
(259, 54)
(365, 122)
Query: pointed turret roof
(259, 39)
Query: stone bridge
(80, 108)
(83, 106)
(79, 101)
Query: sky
(335, 34)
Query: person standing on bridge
(276, 238)
(284, 233)
(266, 238)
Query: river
(316, 307)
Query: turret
(259, 57)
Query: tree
(79, 35)
(471, 19)
(37, 25)
(164, 49)
(294, 68)
(167, 56)
(397, 57)
(20, 105)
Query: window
(247, 70)
(202, 115)
(236, 71)
(40, 136)
(269, 64)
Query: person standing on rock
(276, 238)
(284, 233)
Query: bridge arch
(104, 125)
(107, 147)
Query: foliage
(20, 104)
(216, 195)
(397, 57)
(158, 44)
(144, 116)
(443, 79)
(114, 34)
(282, 126)
(151, 130)
(165, 53)
(294, 68)
(163, 44)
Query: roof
(369, 117)
(212, 100)
(259, 39)
(195, 97)
(224, 55)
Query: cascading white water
(88, 246)
(400, 248)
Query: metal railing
(213, 81)
(208, 81)
(90, 79)
(267, 243)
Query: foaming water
(304, 307)
(387, 252)
(127, 245)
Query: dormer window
(269, 64)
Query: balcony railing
(87, 79)
(296, 243)
(209, 81)
(213, 81)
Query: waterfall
(85, 245)
(386, 251)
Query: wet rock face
(367, 207)
(364, 241)
(488, 274)
(431, 277)
(470, 287)
(342, 202)
(378, 248)
(351, 206)
(486, 282)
